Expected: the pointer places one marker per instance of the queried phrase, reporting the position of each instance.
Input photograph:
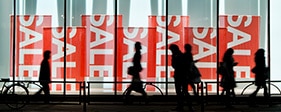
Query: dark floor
(156, 104)
(136, 108)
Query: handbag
(131, 70)
(196, 80)
(195, 71)
(195, 75)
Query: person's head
(229, 51)
(260, 52)
(187, 47)
(174, 48)
(138, 46)
(47, 54)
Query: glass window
(246, 32)
(93, 40)
(32, 39)
(194, 22)
(202, 35)
(139, 25)
(275, 45)
(6, 10)
(99, 53)
(75, 43)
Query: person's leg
(265, 93)
(233, 93)
(46, 90)
(39, 91)
(233, 96)
(252, 102)
(222, 93)
(140, 89)
(187, 95)
(129, 90)
(254, 94)
(128, 100)
(179, 93)
(196, 94)
(194, 89)
(144, 94)
(227, 98)
(184, 89)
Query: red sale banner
(243, 33)
(100, 33)
(204, 48)
(127, 37)
(29, 44)
(176, 25)
(75, 55)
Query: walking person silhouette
(228, 81)
(260, 74)
(193, 72)
(45, 76)
(180, 77)
(136, 84)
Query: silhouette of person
(259, 70)
(136, 83)
(180, 77)
(188, 60)
(228, 81)
(45, 76)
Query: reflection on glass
(99, 22)
(137, 26)
(90, 38)
(5, 40)
(29, 41)
(100, 30)
(194, 22)
(245, 33)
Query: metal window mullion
(64, 50)
(14, 41)
(166, 51)
(218, 36)
(268, 42)
(115, 48)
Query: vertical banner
(203, 42)
(29, 45)
(100, 30)
(75, 55)
(204, 48)
(243, 34)
(127, 37)
(176, 25)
